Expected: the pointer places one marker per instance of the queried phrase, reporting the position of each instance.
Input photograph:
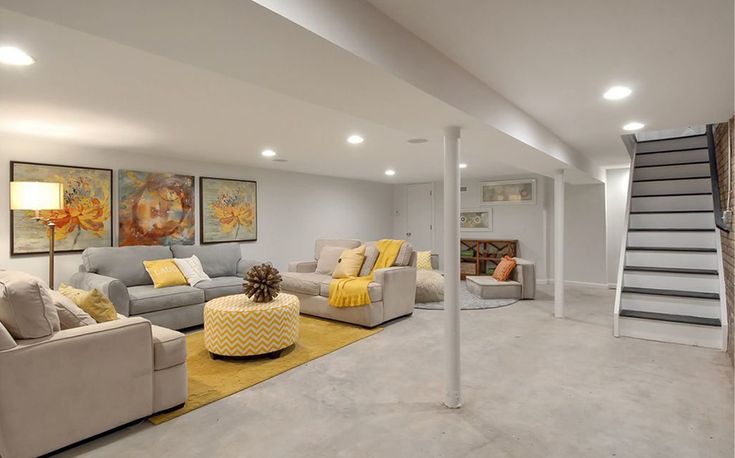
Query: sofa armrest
(525, 274)
(110, 287)
(74, 384)
(302, 266)
(399, 290)
(243, 265)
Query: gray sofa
(392, 292)
(118, 272)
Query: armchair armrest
(110, 287)
(525, 274)
(73, 385)
(302, 266)
(243, 265)
(399, 290)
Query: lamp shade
(35, 195)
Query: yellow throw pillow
(164, 272)
(423, 260)
(96, 304)
(349, 263)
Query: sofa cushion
(371, 255)
(70, 315)
(169, 348)
(192, 269)
(328, 259)
(221, 286)
(349, 263)
(218, 260)
(375, 291)
(26, 308)
(6, 340)
(404, 254)
(344, 243)
(146, 298)
(123, 263)
(303, 282)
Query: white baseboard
(550, 281)
(612, 286)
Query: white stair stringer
(670, 284)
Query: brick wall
(728, 239)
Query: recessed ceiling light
(268, 153)
(617, 93)
(417, 140)
(14, 56)
(390, 172)
(634, 126)
(463, 166)
(355, 139)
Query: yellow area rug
(211, 380)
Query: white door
(419, 216)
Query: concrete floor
(533, 387)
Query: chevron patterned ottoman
(236, 326)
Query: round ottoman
(236, 326)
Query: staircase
(670, 285)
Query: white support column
(559, 244)
(453, 395)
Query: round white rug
(468, 301)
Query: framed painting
(476, 219)
(228, 210)
(85, 221)
(509, 192)
(155, 208)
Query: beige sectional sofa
(392, 292)
(78, 382)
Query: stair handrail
(633, 151)
(715, 179)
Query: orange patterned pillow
(505, 267)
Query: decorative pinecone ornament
(262, 283)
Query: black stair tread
(671, 270)
(639, 212)
(675, 150)
(672, 248)
(648, 180)
(654, 140)
(675, 194)
(669, 229)
(686, 319)
(670, 292)
(670, 164)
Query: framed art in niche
(86, 219)
(228, 210)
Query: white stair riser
(672, 157)
(672, 187)
(672, 171)
(673, 220)
(667, 203)
(671, 259)
(705, 308)
(675, 143)
(663, 331)
(672, 239)
(671, 281)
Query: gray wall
(293, 209)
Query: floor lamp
(38, 196)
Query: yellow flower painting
(228, 210)
(86, 219)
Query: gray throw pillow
(26, 308)
(371, 255)
(70, 315)
(6, 340)
(328, 259)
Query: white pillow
(192, 269)
(328, 259)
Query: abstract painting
(155, 208)
(229, 210)
(85, 221)
(509, 192)
(476, 219)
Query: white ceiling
(209, 86)
(555, 58)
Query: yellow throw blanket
(353, 291)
